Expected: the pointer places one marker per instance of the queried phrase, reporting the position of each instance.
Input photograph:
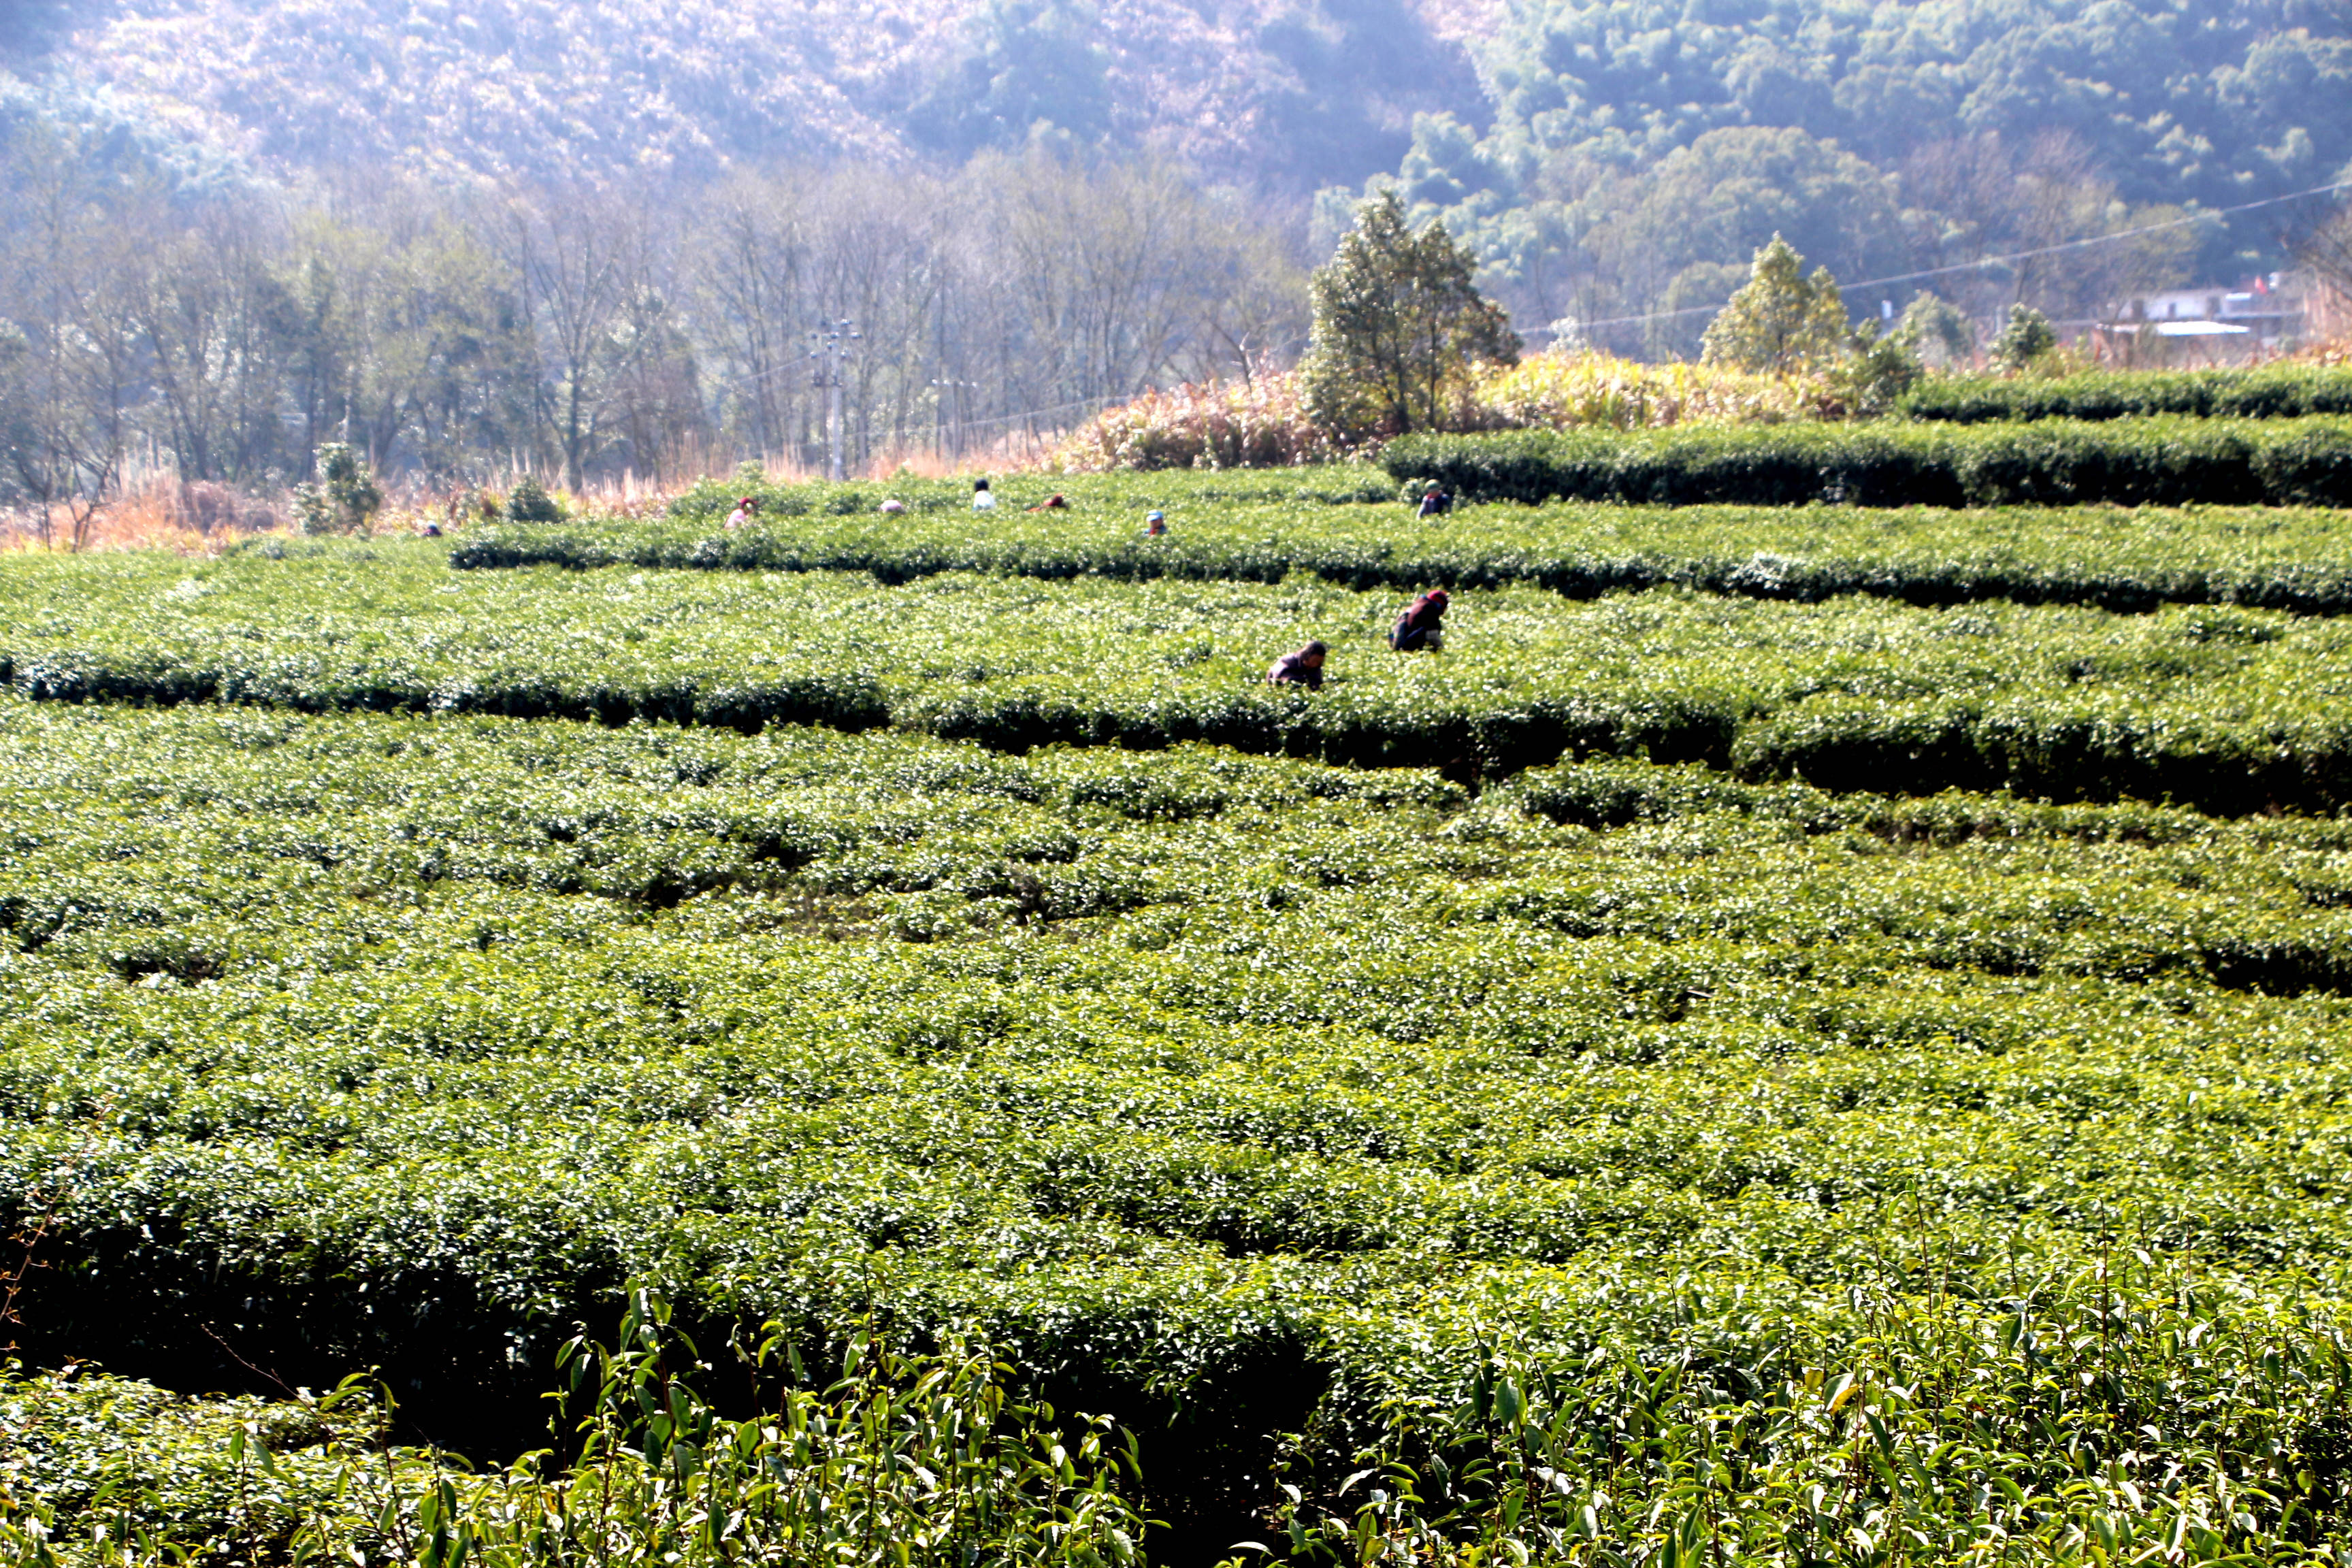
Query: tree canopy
(1274, 95)
(1780, 320)
(1633, 140)
(1398, 323)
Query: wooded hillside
(1639, 150)
(1283, 97)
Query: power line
(1994, 261)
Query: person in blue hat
(1155, 523)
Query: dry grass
(2336, 352)
(1255, 424)
(154, 509)
(1575, 391)
(1263, 422)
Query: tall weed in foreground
(2113, 1412)
(905, 1459)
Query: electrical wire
(1987, 261)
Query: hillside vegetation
(1276, 95)
(1629, 152)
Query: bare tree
(65, 358)
(570, 327)
(2324, 252)
(574, 253)
(753, 271)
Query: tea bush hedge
(2298, 560)
(2267, 392)
(2161, 461)
(1677, 1125)
(1300, 1116)
(2229, 708)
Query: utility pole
(834, 351)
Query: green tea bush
(1277, 1108)
(2229, 708)
(708, 502)
(2163, 461)
(1663, 1120)
(903, 1459)
(1748, 1112)
(2269, 392)
(2299, 561)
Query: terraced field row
(1776, 1075)
(2227, 709)
(1239, 1096)
(2298, 560)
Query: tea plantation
(1800, 1038)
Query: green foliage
(1232, 529)
(1879, 369)
(1961, 1397)
(343, 499)
(904, 1458)
(1738, 1116)
(530, 503)
(2163, 461)
(1634, 145)
(107, 1469)
(2064, 701)
(2267, 392)
(1398, 325)
(1939, 326)
(2024, 341)
(1780, 321)
(1848, 1080)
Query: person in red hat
(1421, 629)
(746, 511)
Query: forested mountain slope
(1278, 94)
(1640, 149)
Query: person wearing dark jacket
(1421, 629)
(1434, 502)
(1303, 668)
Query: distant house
(2212, 322)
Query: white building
(2263, 310)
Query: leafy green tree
(1780, 320)
(1693, 296)
(1937, 325)
(2026, 338)
(530, 503)
(1879, 368)
(344, 498)
(1398, 325)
